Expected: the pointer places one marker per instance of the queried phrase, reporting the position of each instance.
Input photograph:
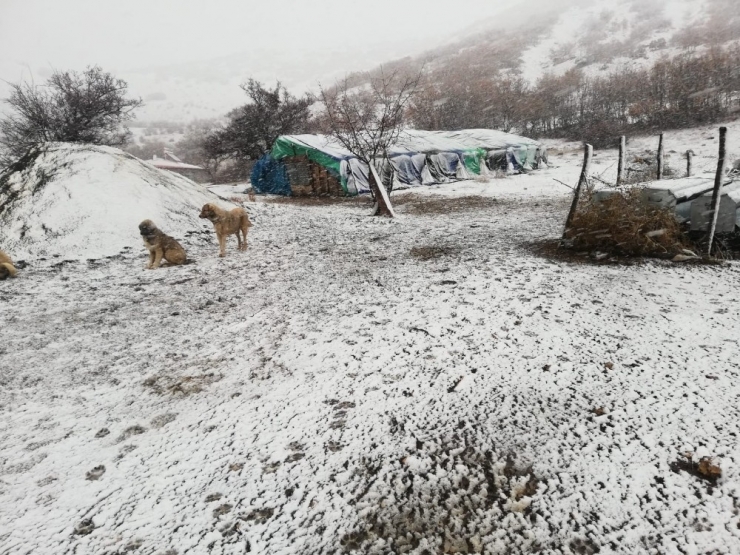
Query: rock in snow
(81, 201)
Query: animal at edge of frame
(7, 269)
(227, 222)
(161, 246)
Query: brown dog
(160, 246)
(6, 266)
(227, 223)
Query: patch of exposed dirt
(360, 201)
(451, 514)
(550, 249)
(180, 385)
(436, 204)
(431, 252)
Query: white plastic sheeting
(428, 157)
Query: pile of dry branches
(625, 225)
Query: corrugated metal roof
(170, 165)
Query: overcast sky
(127, 34)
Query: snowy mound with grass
(76, 201)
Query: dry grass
(625, 225)
(644, 167)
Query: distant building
(172, 163)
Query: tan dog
(227, 223)
(160, 246)
(6, 266)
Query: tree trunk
(383, 205)
(660, 157)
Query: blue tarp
(270, 176)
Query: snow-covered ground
(82, 201)
(421, 385)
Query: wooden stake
(622, 159)
(689, 162)
(716, 192)
(587, 153)
(660, 157)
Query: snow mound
(81, 201)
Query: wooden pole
(689, 162)
(716, 192)
(622, 159)
(588, 151)
(660, 157)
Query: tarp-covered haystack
(80, 201)
(317, 164)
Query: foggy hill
(551, 37)
(546, 37)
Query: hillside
(599, 36)
(80, 202)
(545, 38)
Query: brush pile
(624, 225)
(643, 167)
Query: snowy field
(421, 385)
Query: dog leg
(241, 232)
(222, 246)
(157, 259)
(151, 260)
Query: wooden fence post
(689, 162)
(587, 152)
(622, 159)
(716, 192)
(660, 157)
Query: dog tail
(10, 268)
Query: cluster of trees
(683, 91)
(252, 128)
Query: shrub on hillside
(89, 107)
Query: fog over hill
(545, 37)
(180, 81)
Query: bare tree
(88, 107)
(367, 121)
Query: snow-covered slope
(605, 35)
(81, 201)
(598, 37)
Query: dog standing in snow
(227, 222)
(6, 266)
(160, 246)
